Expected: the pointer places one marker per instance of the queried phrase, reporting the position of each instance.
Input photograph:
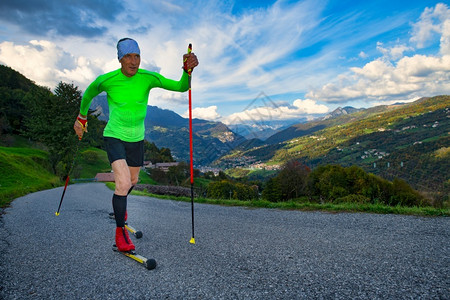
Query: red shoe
(123, 241)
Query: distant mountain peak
(341, 111)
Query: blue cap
(127, 46)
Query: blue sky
(275, 60)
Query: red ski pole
(67, 179)
(192, 241)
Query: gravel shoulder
(239, 253)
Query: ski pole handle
(185, 61)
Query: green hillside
(90, 162)
(319, 145)
(24, 170)
(407, 141)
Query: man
(127, 91)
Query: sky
(258, 60)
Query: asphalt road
(239, 253)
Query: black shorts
(132, 152)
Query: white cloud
(205, 113)
(433, 21)
(362, 54)
(445, 38)
(308, 106)
(423, 68)
(46, 63)
(380, 79)
(393, 53)
(168, 100)
(240, 55)
(235, 51)
(299, 109)
(288, 48)
(390, 102)
(394, 75)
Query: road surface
(239, 253)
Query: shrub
(90, 156)
(404, 195)
(272, 190)
(225, 189)
(360, 199)
(334, 183)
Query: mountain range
(262, 130)
(408, 141)
(214, 139)
(167, 129)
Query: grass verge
(24, 171)
(309, 206)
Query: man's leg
(134, 174)
(126, 159)
(122, 177)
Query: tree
(404, 194)
(12, 110)
(226, 189)
(49, 120)
(377, 189)
(178, 174)
(209, 175)
(158, 175)
(155, 155)
(292, 180)
(166, 155)
(222, 176)
(222, 189)
(245, 192)
(272, 190)
(329, 182)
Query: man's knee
(122, 186)
(134, 172)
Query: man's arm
(189, 62)
(181, 85)
(80, 125)
(88, 95)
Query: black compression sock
(131, 188)
(120, 207)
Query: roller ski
(125, 246)
(149, 263)
(137, 233)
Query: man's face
(130, 64)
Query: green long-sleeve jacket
(127, 100)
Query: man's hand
(189, 61)
(80, 126)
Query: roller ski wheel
(148, 263)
